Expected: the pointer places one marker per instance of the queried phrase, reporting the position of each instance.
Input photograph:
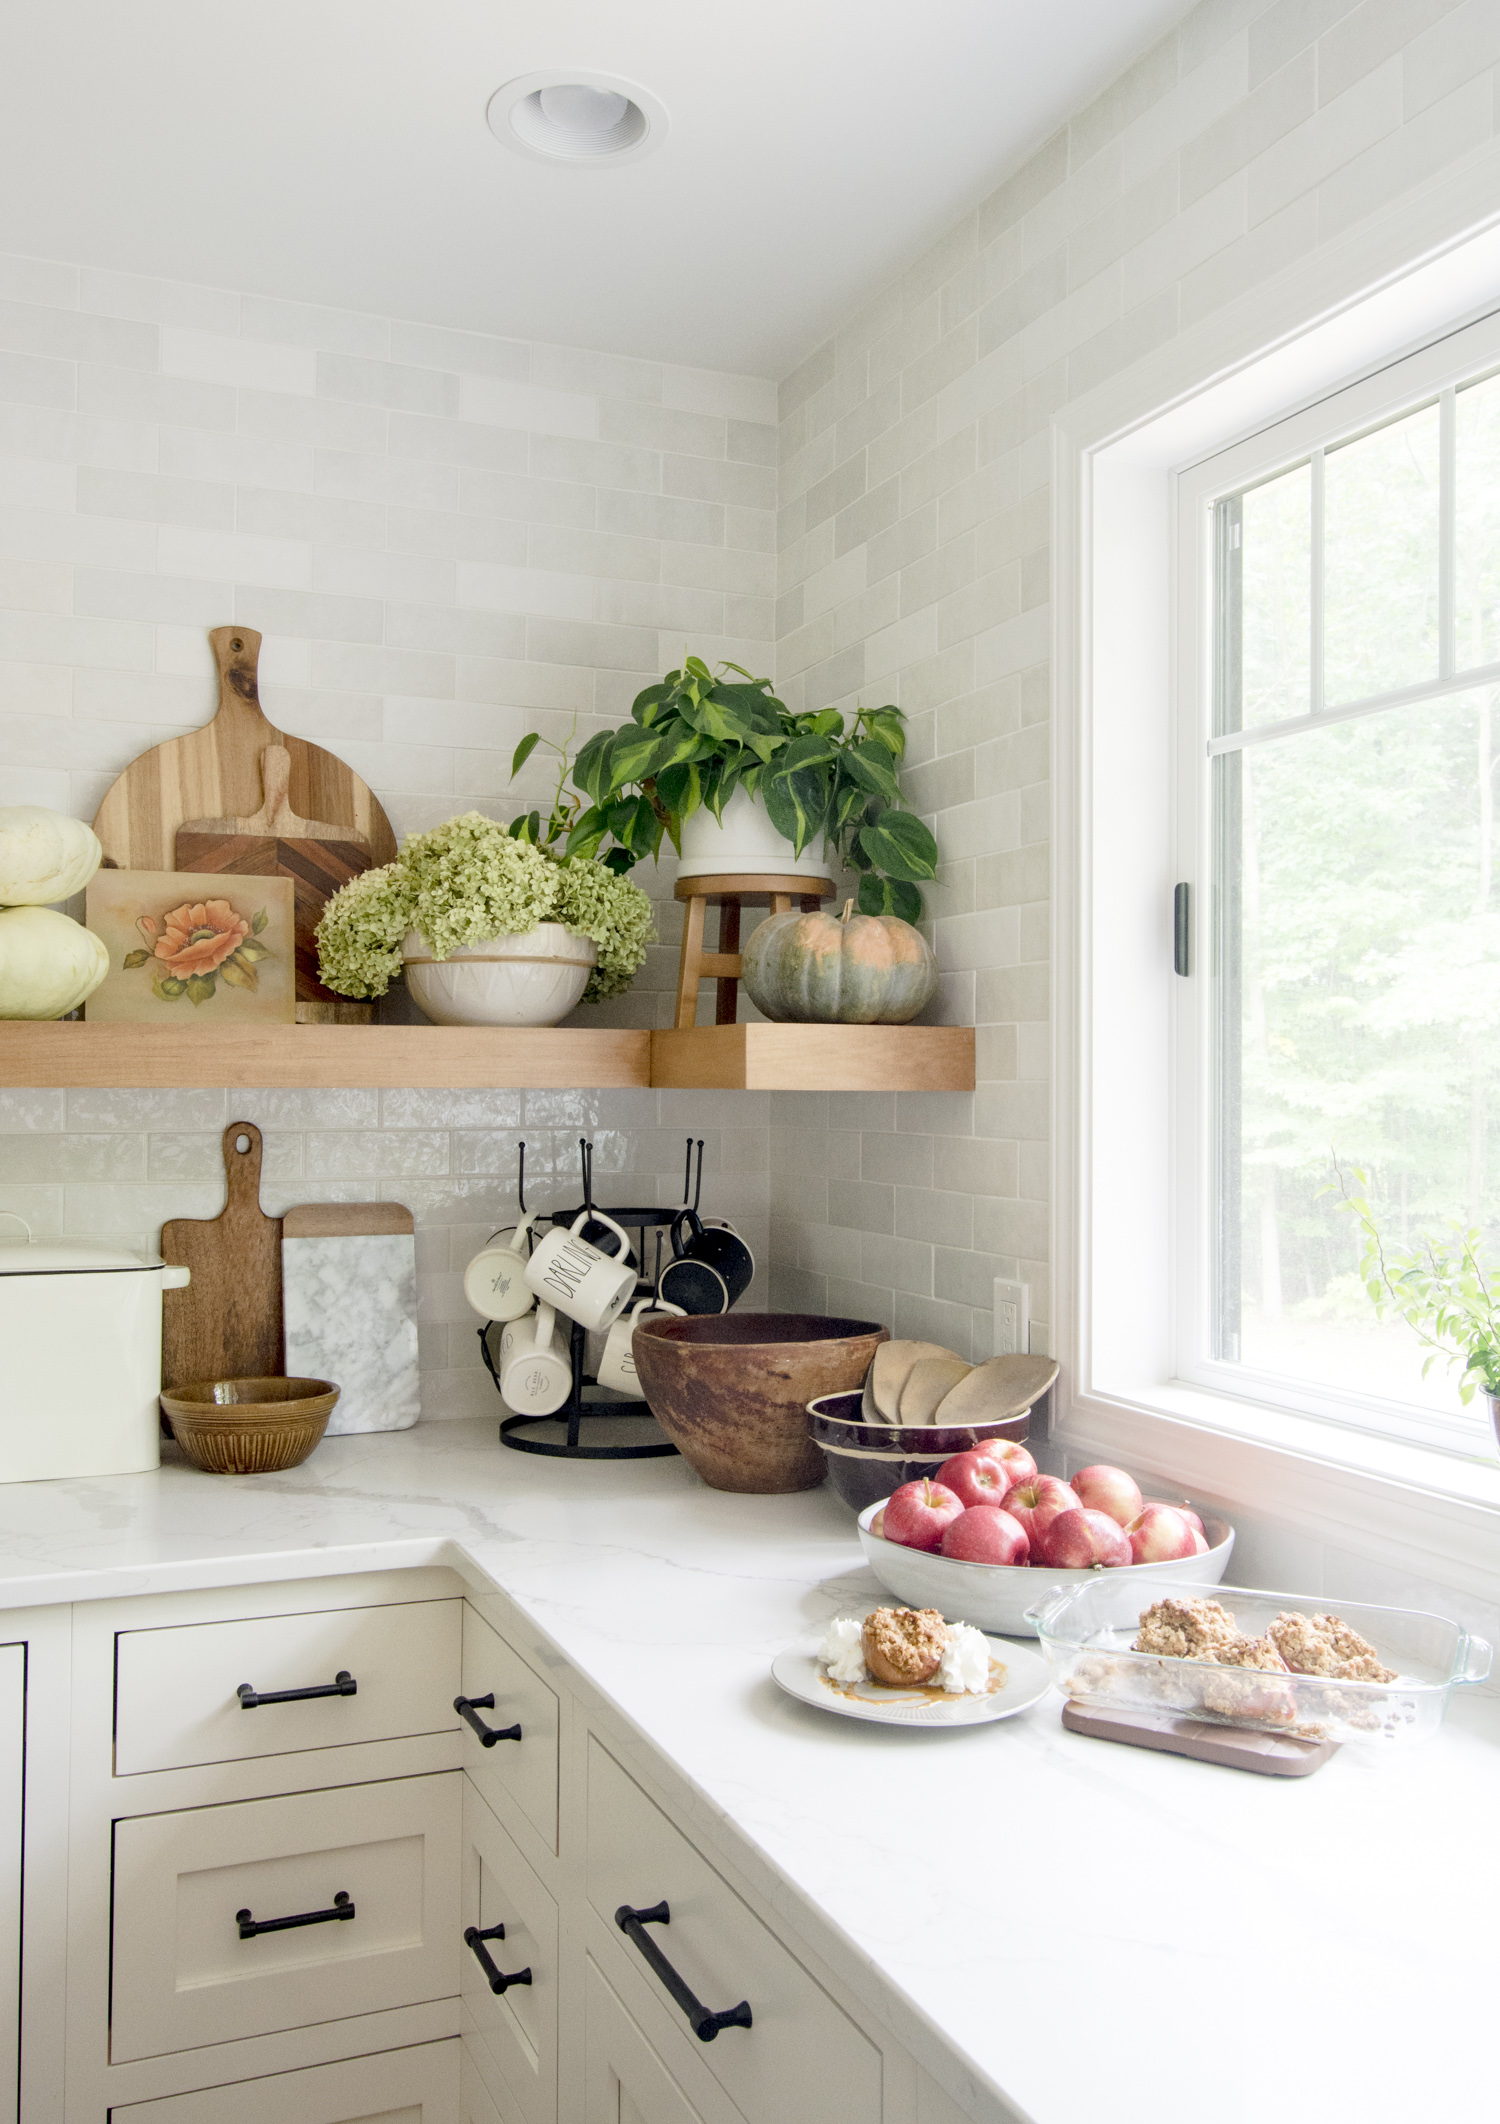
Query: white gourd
(44, 855)
(48, 963)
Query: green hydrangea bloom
(359, 936)
(469, 880)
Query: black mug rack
(579, 1408)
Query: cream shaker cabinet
(356, 1851)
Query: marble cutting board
(349, 1302)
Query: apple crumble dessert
(904, 1646)
(1326, 1646)
(909, 1648)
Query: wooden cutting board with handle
(215, 773)
(227, 1323)
(274, 842)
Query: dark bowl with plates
(866, 1461)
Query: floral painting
(197, 945)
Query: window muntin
(1354, 969)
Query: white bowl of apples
(986, 1537)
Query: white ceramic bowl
(995, 1597)
(534, 978)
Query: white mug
(495, 1280)
(617, 1365)
(536, 1377)
(588, 1285)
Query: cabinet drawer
(518, 2026)
(184, 1975)
(416, 2086)
(625, 2081)
(176, 1690)
(511, 1773)
(802, 2056)
(476, 2103)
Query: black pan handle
(704, 2024)
(251, 1926)
(469, 1708)
(497, 1980)
(343, 1684)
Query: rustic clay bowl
(731, 1390)
(249, 1426)
(866, 1461)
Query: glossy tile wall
(447, 540)
(915, 561)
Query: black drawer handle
(343, 1684)
(249, 1926)
(497, 1980)
(705, 2025)
(469, 1708)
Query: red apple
(1190, 1516)
(1106, 1489)
(1200, 1541)
(975, 1478)
(984, 1534)
(917, 1513)
(1014, 1459)
(1036, 1504)
(1077, 1540)
(1160, 1534)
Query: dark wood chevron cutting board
(274, 842)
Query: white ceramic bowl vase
(995, 1597)
(534, 978)
(746, 844)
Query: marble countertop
(1059, 1929)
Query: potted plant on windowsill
(739, 785)
(1442, 1288)
(487, 927)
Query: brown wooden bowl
(249, 1426)
(731, 1390)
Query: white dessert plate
(1027, 1680)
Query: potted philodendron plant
(1447, 1294)
(487, 927)
(739, 785)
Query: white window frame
(1349, 309)
(1431, 374)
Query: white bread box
(80, 1359)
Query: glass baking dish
(1088, 1633)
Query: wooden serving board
(1235, 1747)
(227, 1323)
(215, 772)
(274, 842)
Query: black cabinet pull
(469, 1708)
(497, 1980)
(343, 1684)
(705, 2025)
(249, 1926)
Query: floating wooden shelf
(419, 1056)
(712, 1057)
(816, 1058)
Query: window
(1339, 726)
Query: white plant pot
(745, 844)
(535, 978)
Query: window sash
(1206, 1220)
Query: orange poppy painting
(195, 947)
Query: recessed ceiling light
(576, 115)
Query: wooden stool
(729, 895)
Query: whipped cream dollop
(842, 1651)
(966, 1663)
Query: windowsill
(1434, 1513)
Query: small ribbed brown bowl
(866, 1461)
(249, 1426)
(731, 1390)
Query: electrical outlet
(1012, 1317)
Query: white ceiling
(336, 151)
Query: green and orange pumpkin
(848, 969)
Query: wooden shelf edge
(815, 1058)
(366, 1057)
